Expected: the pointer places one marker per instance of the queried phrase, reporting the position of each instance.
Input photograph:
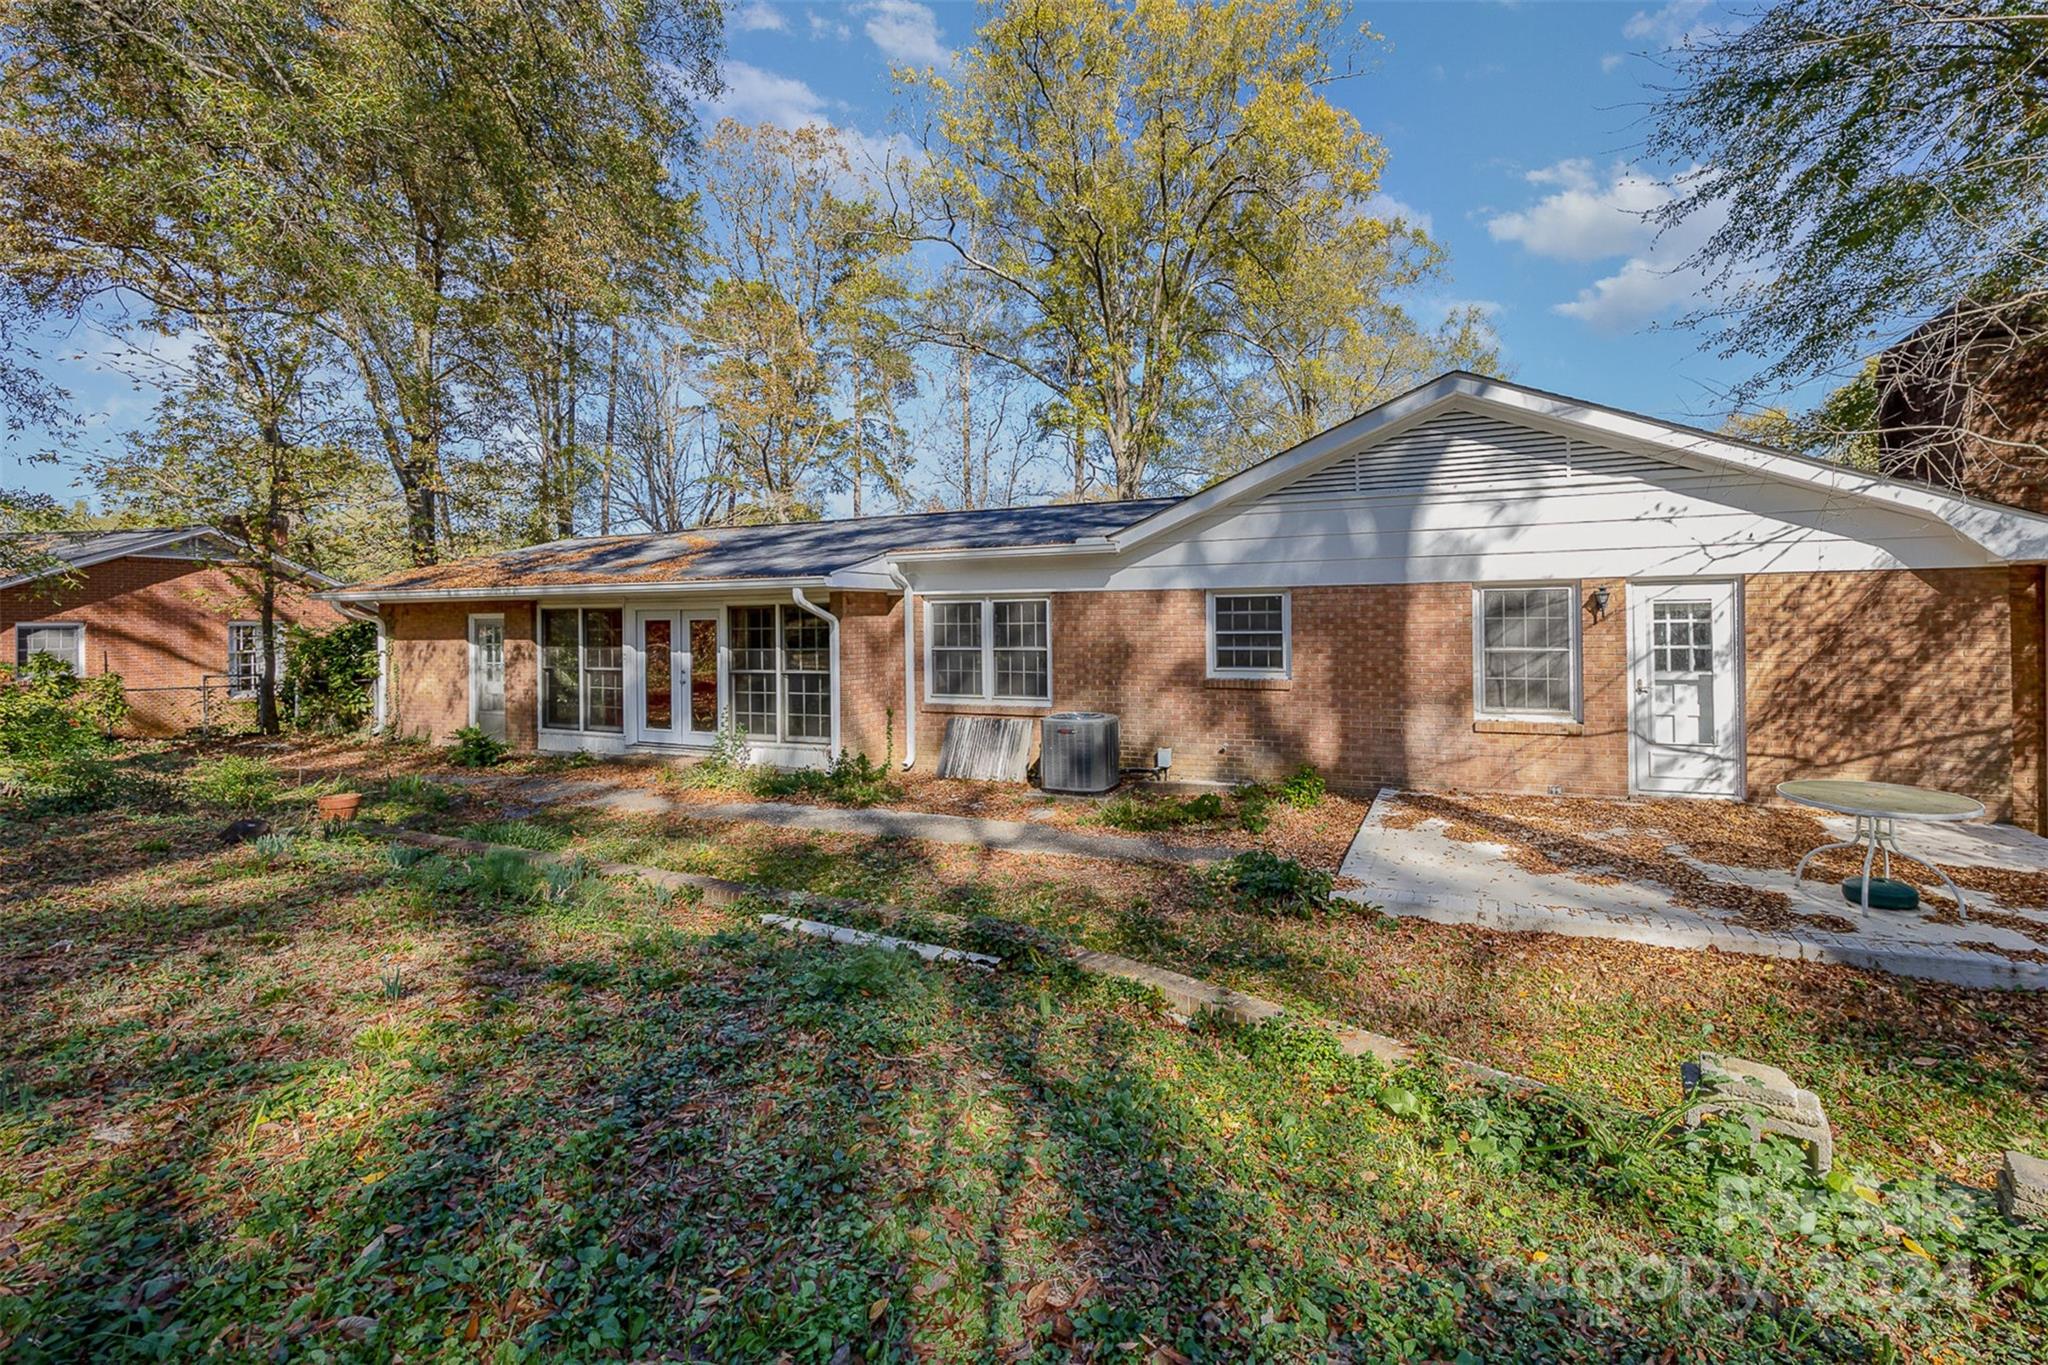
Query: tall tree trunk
(967, 497)
(611, 410)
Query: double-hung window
(582, 676)
(989, 649)
(781, 673)
(63, 640)
(245, 656)
(1526, 652)
(1249, 635)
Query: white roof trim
(2005, 532)
(153, 546)
(531, 591)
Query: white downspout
(909, 671)
(380, 714)
(832, 625)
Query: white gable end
(1469, 495)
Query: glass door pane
(704, 674)
(657, 641)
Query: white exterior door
(487, 675)
(1685, 662)
(675, 685)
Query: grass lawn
(318, 1098)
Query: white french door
(675, 696)
(1685, 666)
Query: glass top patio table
(1877, 806)
(1891, 800)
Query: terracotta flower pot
(339, 806)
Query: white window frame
(540, 653)
(987, 697)
(1286, 669)
(277, 647)
(783, 612)
(1578, 663)
(21, 661)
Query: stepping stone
(1764, 1098)
(2023, 1188)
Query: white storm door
(487, 675)
(1685, 662)
(658, 642)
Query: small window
(1249, 635)
(1682, 637)
(59, 640)
(1527, 647)
(989, 649)
(583, 668)
(245, 656)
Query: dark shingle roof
(794, 550)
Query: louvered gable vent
(1467, 453)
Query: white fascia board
(702, 587)
(141, 551)
(870, 575)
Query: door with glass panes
(1686, 731)
(677, 698)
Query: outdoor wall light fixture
(1597, 603)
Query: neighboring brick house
(173, 611)
(1476, 585)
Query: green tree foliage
(330, 675)
(401, 176)
(54, 732)
(791, 340)
(1864, 164)
(243, 443)
(1161, 187)
(1842, 427)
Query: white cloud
(1384, 205)
(1586, 216)
(1678, 23)
(906, 32)
(759, 17)
(823, 26)
(1641, 291)
(752, 95)
(1593, 215)
(1612, 60)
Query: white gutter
(832, 625)
(523, 591)
(909, 670)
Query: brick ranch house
(1476, 585)
(174, 611)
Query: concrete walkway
(1421, 873)
(527, 795)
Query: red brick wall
(871, 672)
(159, 623)
(427, 669)
(1933, 678)
(1381, 691)
(1930, 678)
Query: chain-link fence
(214, 706)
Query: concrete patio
(1421, 872)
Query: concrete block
(2023, 1188)
(1765, 1098)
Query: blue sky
(1513, 132)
